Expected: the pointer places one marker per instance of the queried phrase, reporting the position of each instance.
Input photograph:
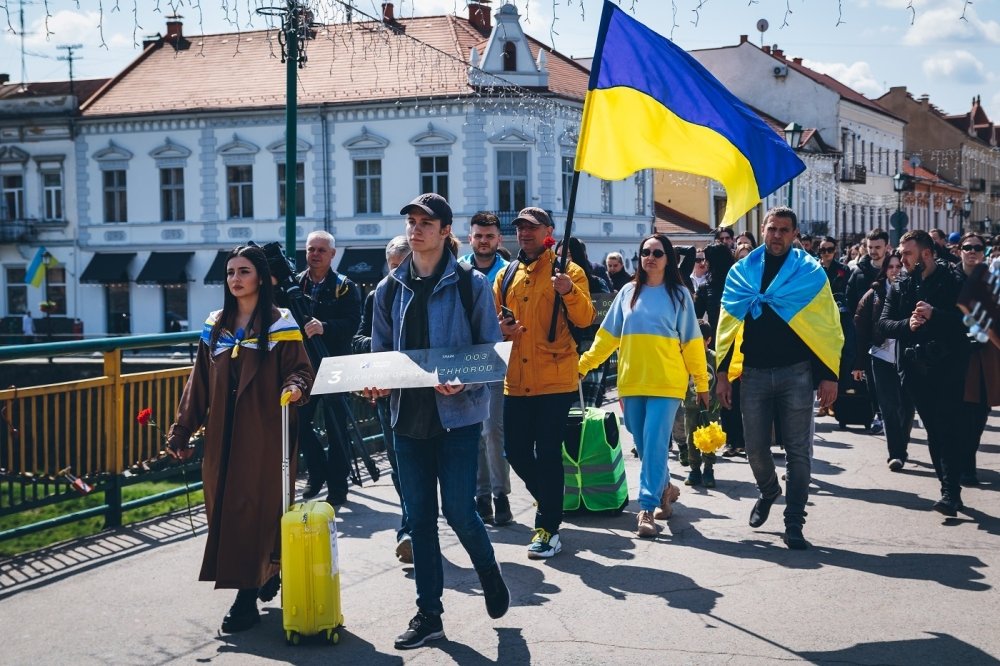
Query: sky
(870, 45)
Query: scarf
(284, 329)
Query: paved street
(886, 582)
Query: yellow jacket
(537, 366)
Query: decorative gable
(112, 158)
(12, 155)
(512, 137)
(507, 59)
(366, 146)
(170, 155)
(238, 151)
(278, 148)
(433, 141)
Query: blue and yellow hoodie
(659, 341)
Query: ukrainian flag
(652, 106)
(799, 294)
(36, 269)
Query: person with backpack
(431, 301)
(541, 379)
(653, 327)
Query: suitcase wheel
(292, 638)
(332, 636)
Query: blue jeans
(450, 458)
(385, 420)
(650, 420)
(789, 392)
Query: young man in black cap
(541, 375)
(420, 305)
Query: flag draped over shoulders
(283, 329)
(650, 105)
(799, 294)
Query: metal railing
(87, 429)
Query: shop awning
(107, 268)
(363, 265)
(165, 268)
(217, 273)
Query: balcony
(15, 231)
(854, 173)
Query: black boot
(270, 589)
(495, 591)
(243, 614)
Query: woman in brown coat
(250, 358)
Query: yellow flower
(709, 438)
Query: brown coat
(983, 373)
(242, 496)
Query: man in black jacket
(932, 353)
(858, 285)
(335, 310)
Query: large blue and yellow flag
(36, 269)
(799, 294)
(652, 106)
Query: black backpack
(464, 290)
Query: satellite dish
(762, 26)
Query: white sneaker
(543, 545)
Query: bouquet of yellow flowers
(709, 437)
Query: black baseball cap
(432, 204)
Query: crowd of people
(761, 337)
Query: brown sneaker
(646, 528)
(670, 495)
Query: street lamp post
(963, 213)
(793, 137)
(899, 220)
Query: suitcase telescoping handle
(579, 388)
(285, 499)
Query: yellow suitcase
(310, 566)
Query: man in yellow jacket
(542, 377)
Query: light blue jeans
(650, 421)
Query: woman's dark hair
(719, 260)
(265, 299)
(672, 280)
(973, 234)
(750, 237)
(883, 270)
(579, 253)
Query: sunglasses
(699, 260)
(827, 250)
(659, 254)
(973, 248)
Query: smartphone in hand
(506, 313)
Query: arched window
(509, 57)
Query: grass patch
(89, 526)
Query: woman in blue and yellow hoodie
(653, 325)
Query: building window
(55, 288)
(512, 179)
(115, 204)
(368, 187)
(434, 174)
(567, 180)
(13, 197)
(509, 57)
(300, 190)
(605, 196)
(52, 189)
(239, 184)
(119, 312)
(17, 291)
(175, 308)
(172, 195)
(640, 193)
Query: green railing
(87, 430)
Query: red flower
(549, 242)
(145, 417)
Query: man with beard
(493, 477)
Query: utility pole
(69, 57)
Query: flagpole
(565, 251)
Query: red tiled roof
(671, 221)
(976, 119)
(347, 63)
(928, 176)
(83, 89)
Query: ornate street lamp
(793, 137)
(899, 221)
(963, 213)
